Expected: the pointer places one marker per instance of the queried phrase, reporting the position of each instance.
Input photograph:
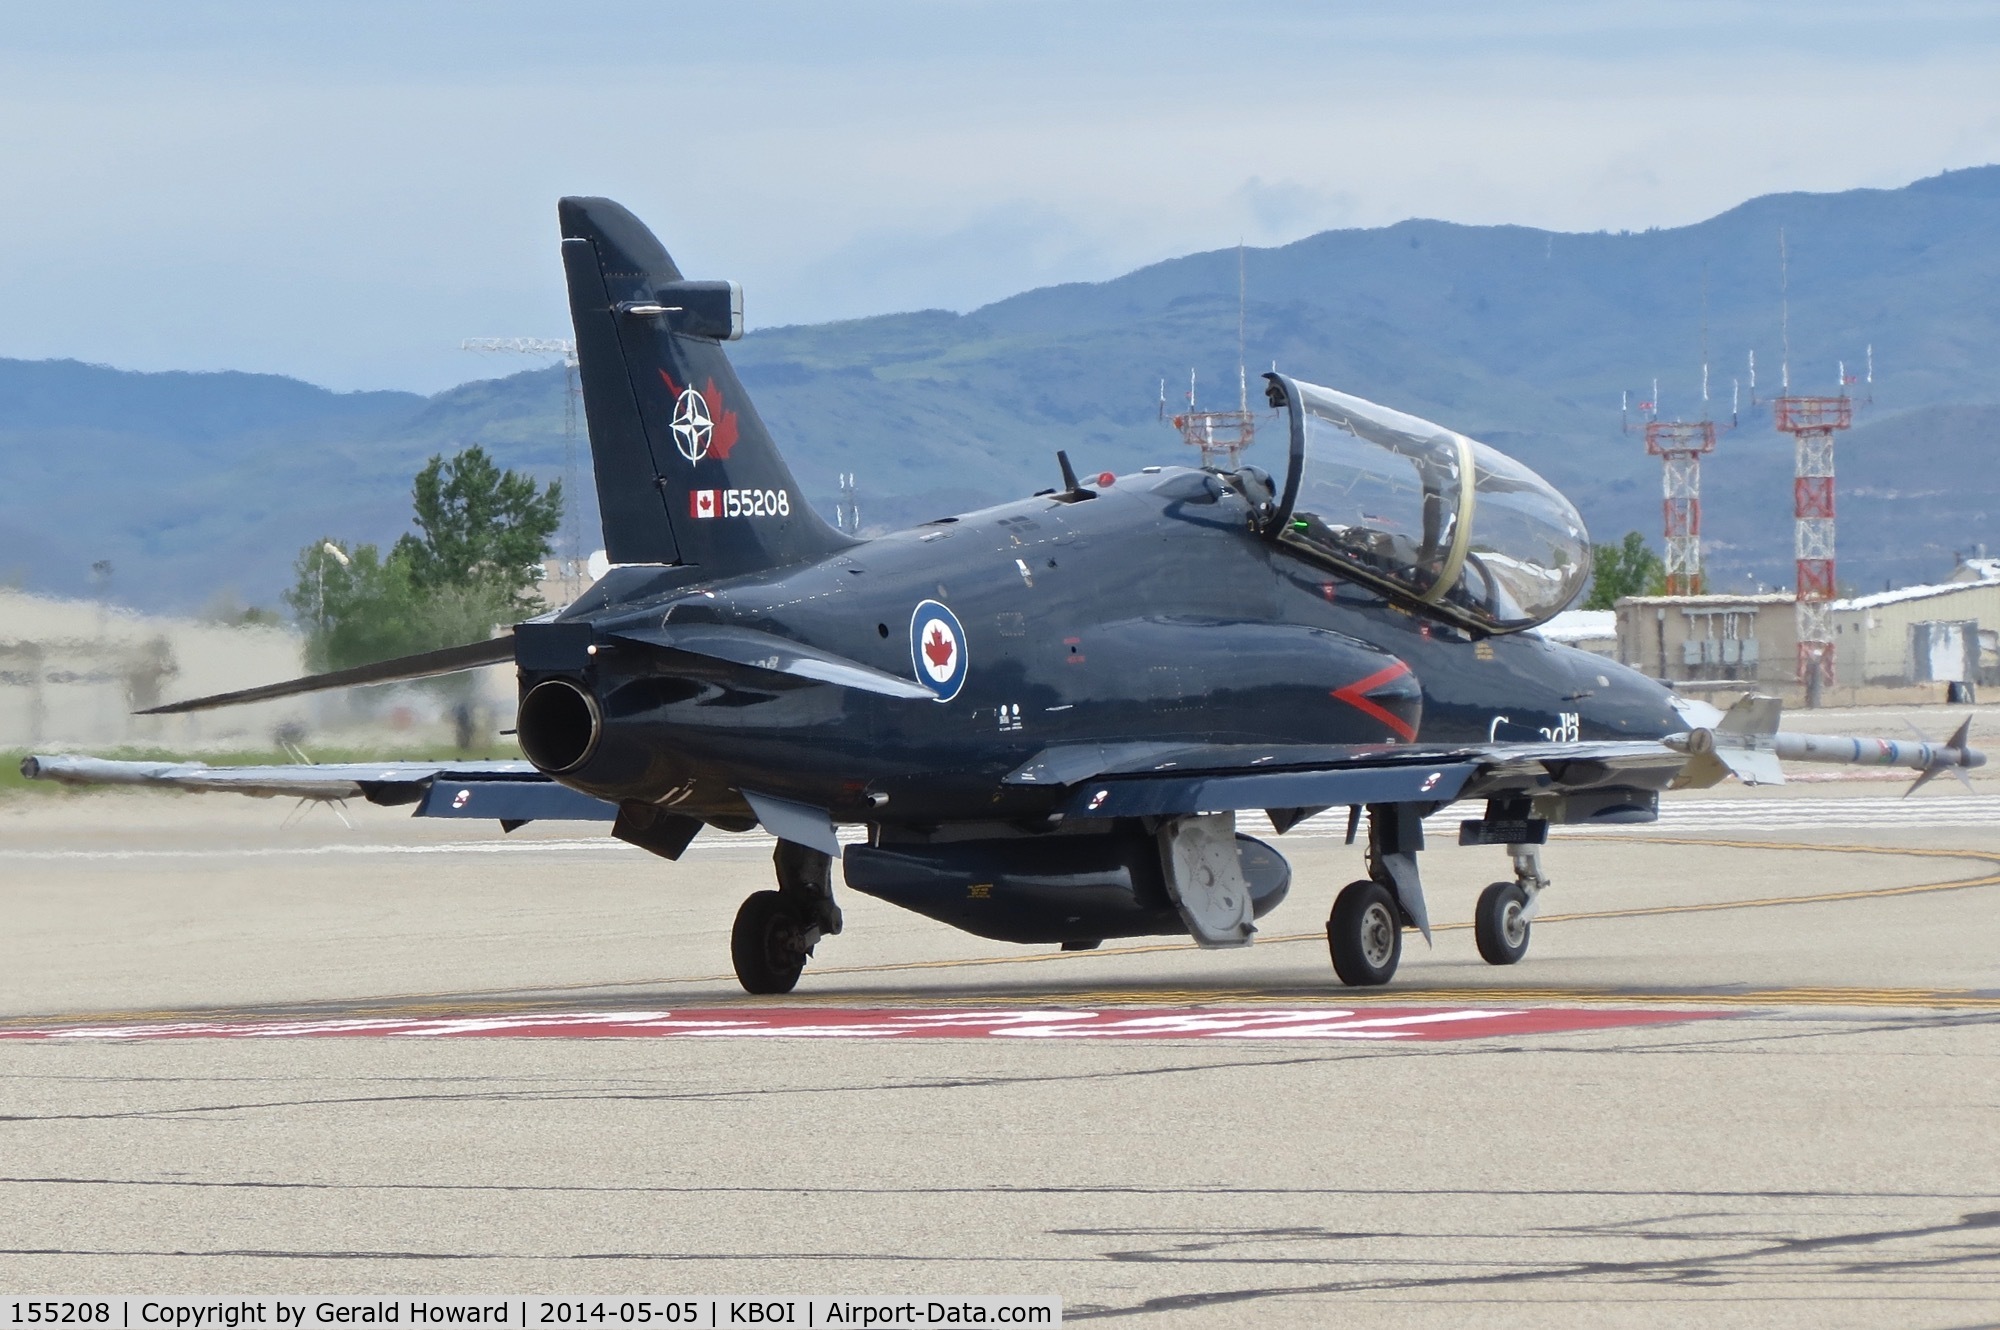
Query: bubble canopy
(1425, 513)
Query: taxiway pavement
(1807, 1141)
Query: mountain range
(194, 486)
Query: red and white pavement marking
(1383, 1024)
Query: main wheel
(764, 944)
(1365, 934)
(1500, 925)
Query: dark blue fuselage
(1151, 610)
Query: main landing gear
(1365, 931)
(777, 930)
(1365, 934)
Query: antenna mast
(1680, 445)
(1784, 315)
(1242, 379)
(1222, 435)
(573, 578)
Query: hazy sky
(344, 191)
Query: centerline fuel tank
(1055, 888)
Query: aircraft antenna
(573, 576)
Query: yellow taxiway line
(417, 1004)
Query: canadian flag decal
(701, 503)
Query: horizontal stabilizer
(749, 649)
(423, 665)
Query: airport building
(1923, 641)
(72, 672)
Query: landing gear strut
(1365, 931)
(1365, 934)
(776, 931)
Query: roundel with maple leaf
(937, 649)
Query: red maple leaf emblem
(938, 648)
(724, 437)
(722, 423)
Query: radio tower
(1220, 435)
(573, 577)
(1680, 444)
(1812, 422)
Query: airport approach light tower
(1680, 445)
(1812, 423)
(1221, 436)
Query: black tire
(1502, 932)
(764, 945)
(1365, 935)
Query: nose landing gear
(1501, 924)
(776, 931)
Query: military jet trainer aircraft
(1048, 715)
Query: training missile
(1753, 757)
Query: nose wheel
(1501, 925)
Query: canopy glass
(1426, 513)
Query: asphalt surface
(1800, 1133)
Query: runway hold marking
(1376, 1025)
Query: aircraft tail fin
(686, 472)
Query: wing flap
(1163, 796)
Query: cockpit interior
(1424, 513)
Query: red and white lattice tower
(1679, 444)
(1812, 423)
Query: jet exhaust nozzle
(559, 725)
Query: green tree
(1625, 569)
(483, 531)
(357, 607)
(482, 527)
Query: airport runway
(1748, 1075)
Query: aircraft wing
(512, 792)
(1165, 780)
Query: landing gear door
(1205, 878)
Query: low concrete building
(1918, 635)
(1714, 642)
(1911, 638)
(72, 672)
(1595, 631)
